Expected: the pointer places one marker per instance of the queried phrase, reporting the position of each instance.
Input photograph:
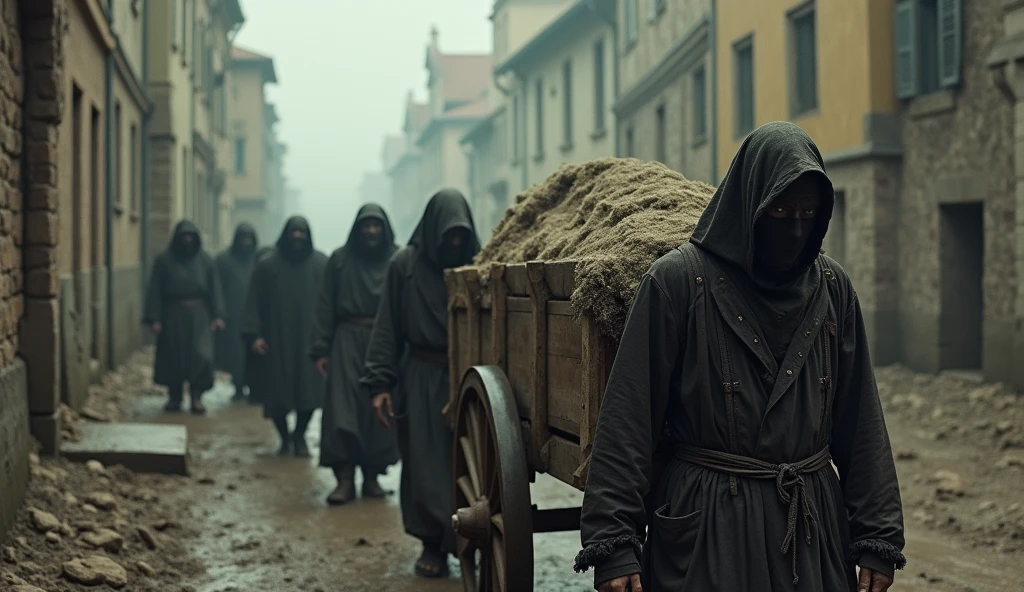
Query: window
(629, 142)
(567, 105)
(239, 156)
(118, 180)
(174, 25)
(743, 86)
(133, 174)
(184, 32)
(516, 127)
(699, 104)
(631, 18)
(928, 44)
(539, 91)
(803, 61)
(657, 7)
(660, 135)
(599, 97)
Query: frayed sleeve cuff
(612, 558)
(874, 554)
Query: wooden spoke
(471, 464)
(498, 553)
(466, 488)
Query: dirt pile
(615, 216)
(86, 525)
(959, 450)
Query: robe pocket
(674, 539)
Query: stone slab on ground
(140, 447)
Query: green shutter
(905, 29)
(950, 41)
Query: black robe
(234, 267)
(408, 358)
(705, 527)
(279, 308)
(349, 298)
(184, 296)
(253, 369)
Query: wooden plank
(539, 296)
(519, 304)
(499, 320)
(486, 353)
(564, 395)
(564, 457)
(453, 348)
(564, 336)
(516, 280)
(592, 381)
(559, 307)
(520, 359)
(561, 278)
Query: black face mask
(450, 256)
(779, 243)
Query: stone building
(33, 93)
(250, 132)
(664, 84)
(404, 171)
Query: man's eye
(809, 212)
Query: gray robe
(696, 380)
(279, 308)
(349, 298)
(184, 296)
(234, 267)
(407, 357)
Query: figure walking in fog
(407, 370)
(348, 304)
(277, 326)
(184, 306)
(234, 267)
(745, 362)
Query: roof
(233, 10)
(470, 113)
(579, 16)
(463, 77)
(246, 57)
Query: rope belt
(789, 483)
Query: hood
(244, 230)
(445, 211)
(186, 227)
(770, 158)
(375, 212)
(294, 223)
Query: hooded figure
(348, 304)
(408, 358)
(276, 327)
(234, 266)
(742, 371)
(184, 305)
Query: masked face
(187, 244)
(372, 233)
(299, 240)
(452, 248)
(246, 243)
(782, 231)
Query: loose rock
(104, 538)
(145, 569)
(53, 538)
(148, 537)
(44, 521)
(96, 467)
(95, 570)
(102, 500)
(948, 483)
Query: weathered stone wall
(13, 442)
(128, 334)
(958, 148)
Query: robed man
(743, 373)
(408, 358)
(234, 267)
(183, 307)
(253, 369)
(277, 326)
(349, 298)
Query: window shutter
(905, 29)
(950, 19)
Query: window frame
(567, 121)
(699, 109)
(796, 108)
(600, 98)
(745, 42)
(630, 24)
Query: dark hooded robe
(408, 357)
(712, 449)
(282, 295)
(184, 296)
(234, 267)
(349, 298)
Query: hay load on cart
(533, 327)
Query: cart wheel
(493, 519)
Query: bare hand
(217, 325)
(156, 327)
(321, 366)
(623, 584)
(872, 581)
(260, 347)
(382, 405)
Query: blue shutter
(905, 29)
(950, 42)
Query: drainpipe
(111, 178)
(523, 148)
(713, 42)
(614, 23)
(144, 155)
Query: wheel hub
(474, 522)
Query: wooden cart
(527, 381)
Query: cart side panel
(484, 352)
(564, 370)
(519, 357)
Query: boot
(371, 486)
(174, 397)
(301, 448)
(197, 407)
(239, 396)
(345, 492)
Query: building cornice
(438, 123)
(96, 18)
(578, 17)
(683, 55)
(134, 84)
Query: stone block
(46, 429)
(36, 257)
(14, 443)
(43, 197)
(141, 447)
(39, 347)
(41, 228)
(41, 283)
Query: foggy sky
(344, 68)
